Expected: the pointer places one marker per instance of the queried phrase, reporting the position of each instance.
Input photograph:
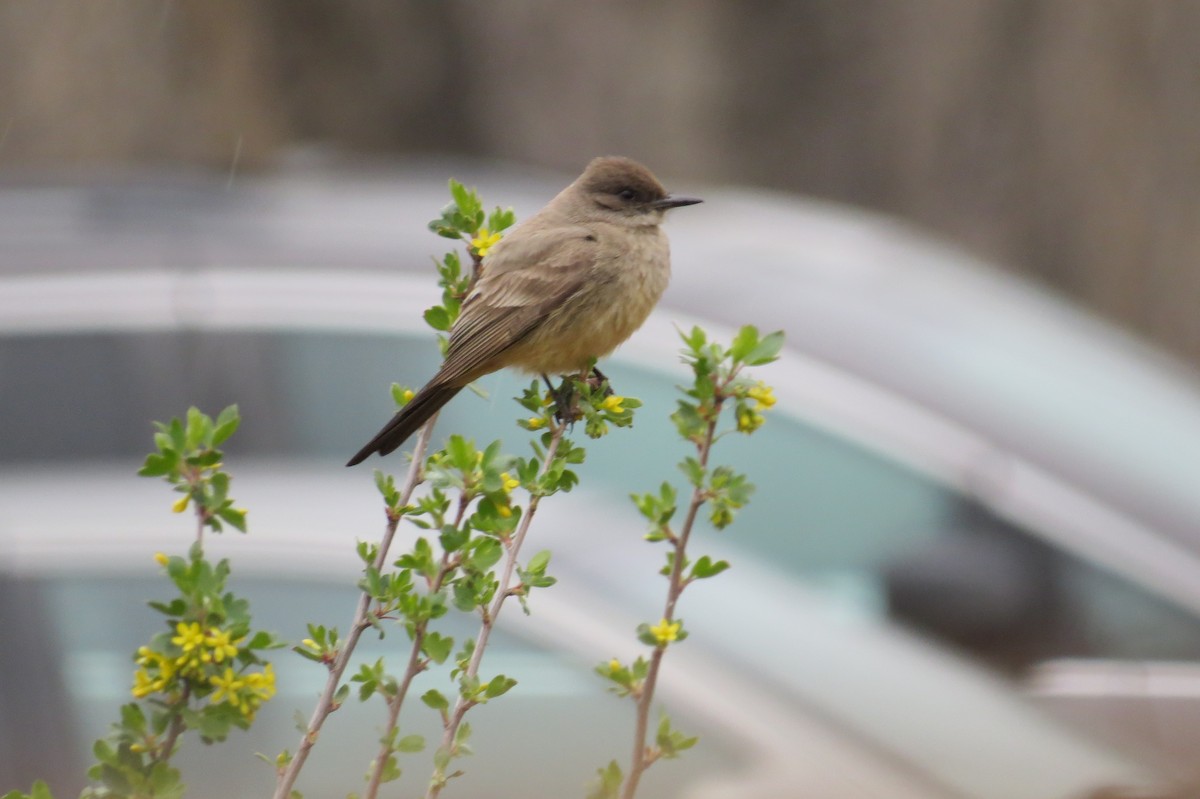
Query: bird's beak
(675, 202)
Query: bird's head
(623, 190)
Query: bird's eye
(627, 194)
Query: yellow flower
(509, 482)
(228, 686)
(749, 420)
(536, 422)
(763, 394)
(614, 666)
(484, 241)
(244, 692)
(262, 683)
(613, 403)
(188, 636)
(665, 631)
(310, 643)
(219, 645)
(191, 663)
(504, 511)
(161, 559)
(181, 504)
(143, 685)
(407, 396)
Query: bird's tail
(428, 401)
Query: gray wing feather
(519, 289)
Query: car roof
(1045, 414)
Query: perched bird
(567, 285)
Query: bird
(566, 286)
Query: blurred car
(961, 533)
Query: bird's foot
(566, 395)
(566, 403)
(566, 400)
(598, 380)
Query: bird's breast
(628, 276)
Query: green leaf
(539, 562)
(670, 741)
(743, 343)
(705, 567)
(766, 350)
(441, 758)
(694, 339)
(485, 554)
(438, 318)
(498, 686)
(390, 771)
(461, 736)
(410, 744)
(236, 517)
(156, 466)
(435, 699)
(608, 783)
(437, 647)
(688, 420)
(398, 391)
(462, 196)
(693, 470)
(227, 424)
(103, 752)
(198, 425)
(461, 453)
(40, 790)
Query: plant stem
(325, 704)
(177, 727)
(643, 757)
(415, 666)
(512, 549)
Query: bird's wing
(518, 289)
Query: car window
(67, 397)
(865, 527)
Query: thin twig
(416, 665)
(167, 748)
(643, 757)
(325, 704)
(512, 549)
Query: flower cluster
(508, 484)
(751, 402)
(244, 691)
(202, 659)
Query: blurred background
(1055, 137)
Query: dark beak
(675, 202)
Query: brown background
(1058, 137)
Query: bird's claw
(566, 405)
(598, 380)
